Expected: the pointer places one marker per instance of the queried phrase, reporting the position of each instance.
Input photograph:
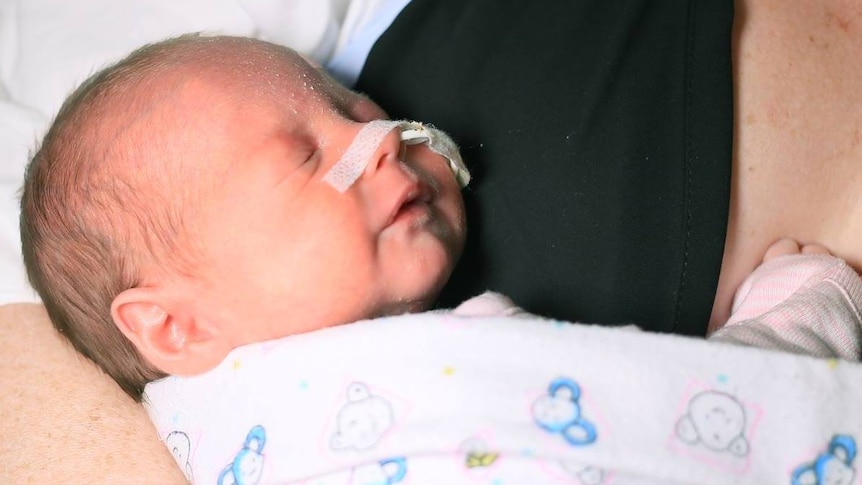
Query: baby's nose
(390, 150)
(373, 144)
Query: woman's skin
(797, 168)
(64, 421)
(797, 172)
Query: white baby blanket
(438, 398)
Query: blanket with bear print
(438, 398)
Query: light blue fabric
(346, 64)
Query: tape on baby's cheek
(351, 165)
(349, 168)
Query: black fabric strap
(599, 136)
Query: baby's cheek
(433, 167)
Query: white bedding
(47, 47)
(455, 399)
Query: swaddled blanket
(441, 398)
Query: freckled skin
(797, 143)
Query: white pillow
(60, 43)
(19, 128)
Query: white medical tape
(439, 142)
(349, 168)
(351, 165)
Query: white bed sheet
(47, 47)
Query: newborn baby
(177, 208)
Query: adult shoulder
(64, 421)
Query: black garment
(599, 137)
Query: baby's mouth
(413, 204)
(411, 211)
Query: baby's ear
(167, 332)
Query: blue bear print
(384, 472)
(834, 467)
(560, 412)
(247, 465)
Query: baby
(213, 207)
(177, 209)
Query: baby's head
(177, 209)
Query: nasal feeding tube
(347, 170)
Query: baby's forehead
(264, 76)
(203, 105)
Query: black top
(598, 133)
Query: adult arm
(64, 421)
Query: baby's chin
(408, 306)
(418, 295)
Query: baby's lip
(417, 192)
